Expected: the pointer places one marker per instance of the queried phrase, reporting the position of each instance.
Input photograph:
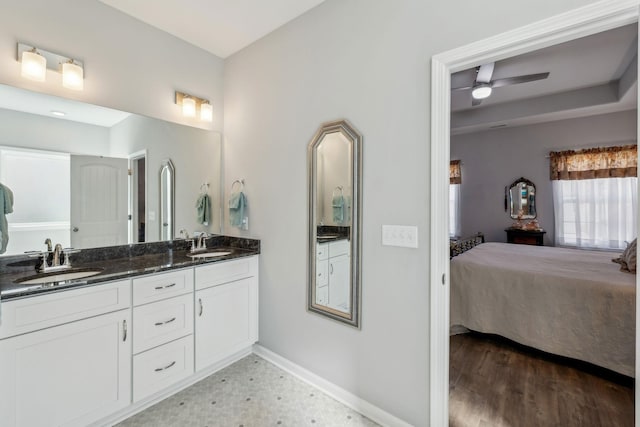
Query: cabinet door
(68, 375)
(339, 283)
(226, 320)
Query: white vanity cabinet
(162, 331)
(332, 274)
(226, 309)
(72, 373)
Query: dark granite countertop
(118, 262)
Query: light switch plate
(400, 235)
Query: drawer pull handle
(165, 322)
(165, 286)
(201, 308)
(166, 367)
(124, 331)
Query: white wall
(196, 156)
(494, 159)
(369, 62)
(129, 65)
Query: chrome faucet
(202, 244)
(57, 252)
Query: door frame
(581, 22)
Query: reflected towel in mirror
(6, 207)
(338, 208)
(203, 209)
(237, 204)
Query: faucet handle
(48, 243)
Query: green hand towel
(6, 207)
(237, 204)
(203, 208)
(338, 208)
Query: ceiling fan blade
(475, 102)
(485, 72)
(518, 79)
(462, 88)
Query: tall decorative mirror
(522, 199)
(167, 203)
(335, 174)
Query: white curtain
(454, 210)
(595, 213)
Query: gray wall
(369, 62)
(196, 156)
(494, 159)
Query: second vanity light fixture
(35, 62)
(193, 106)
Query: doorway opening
(575, 24)
(137, 197)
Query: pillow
(627, 260)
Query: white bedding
(569, 302)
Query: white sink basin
(209, 254)
(59, 276)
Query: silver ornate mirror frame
(167, 200)
(352, 223)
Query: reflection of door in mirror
(99, 211)
(137, 197)
(334, 180)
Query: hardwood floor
(495, 382)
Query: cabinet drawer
(160, 286)
(29, 314)
(322, 295)
(162, 321)
(161, 367)
(322, 251)
(322, 273)
(225, 271)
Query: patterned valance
(455, 176)
(605, 162)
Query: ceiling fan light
(481, 91)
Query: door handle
(75, 229)
(124, 330)
(201, 308)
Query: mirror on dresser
(55, 165)
(335, 173)
(522, 199)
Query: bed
(569, 302)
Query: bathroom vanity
(98, 349)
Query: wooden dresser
(525, 237)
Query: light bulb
(481, 91)
(206, 112)
(34, 66)
(72, 76)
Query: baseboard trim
(341, 395)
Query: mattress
(569, 302)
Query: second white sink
(59, 277)
(209, 254)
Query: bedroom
(493, 156)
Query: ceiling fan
(483, 85)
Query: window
(455, 180)
(595, 197)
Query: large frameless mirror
(335, 173)
(167, 203)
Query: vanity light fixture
(192, 106)
(34, 65)
(36, 61)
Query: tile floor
(249, 393)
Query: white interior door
(98, 202)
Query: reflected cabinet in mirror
(335, 173)
(95, 177)
(522, 199)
